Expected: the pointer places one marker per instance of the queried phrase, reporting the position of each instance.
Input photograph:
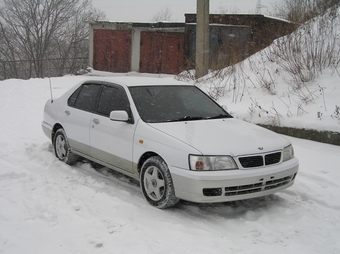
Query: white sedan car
(172, 137)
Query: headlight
(288, 153)
(204, 163)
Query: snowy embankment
(47, 206)
(295, 82)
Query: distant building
(170, 47)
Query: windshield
(174, 103)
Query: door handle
(96, 121)
(67, 112)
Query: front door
(111, 141)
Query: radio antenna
(49, 78)
(51, 90)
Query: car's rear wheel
(62, 148)
(156, 183)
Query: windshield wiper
(219, 116)
(186, 118)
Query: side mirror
(119, 115)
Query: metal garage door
(161, 52)
(112, 50)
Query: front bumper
(222, 186)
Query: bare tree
(162, 15)
(300, 11)
(35, 30)
(227, 10)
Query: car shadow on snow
(251, 209)
(232, 209)
(227, 210)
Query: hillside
(295, 82)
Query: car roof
(130, 81)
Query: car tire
(62, 148)
(156, 183)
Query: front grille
(272, 158)
(260, 160)
(272, 184)
(258, 187)
(249, 188)
(251, 161)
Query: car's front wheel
(62, 148)
(156, 183)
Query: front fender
(150, 140)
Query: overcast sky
(144, 10)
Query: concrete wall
(263, 29)
(228, 44)
(329, 137)
(232, 39)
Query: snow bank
(295, 82)
(47, 206)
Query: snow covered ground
(47, 206)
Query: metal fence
(49, 67)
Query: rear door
(78, 114)
(111, 141)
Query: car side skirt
(121, 168)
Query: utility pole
(202, 38)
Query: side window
(112, 98)
(84, 98)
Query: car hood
(224, 136)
